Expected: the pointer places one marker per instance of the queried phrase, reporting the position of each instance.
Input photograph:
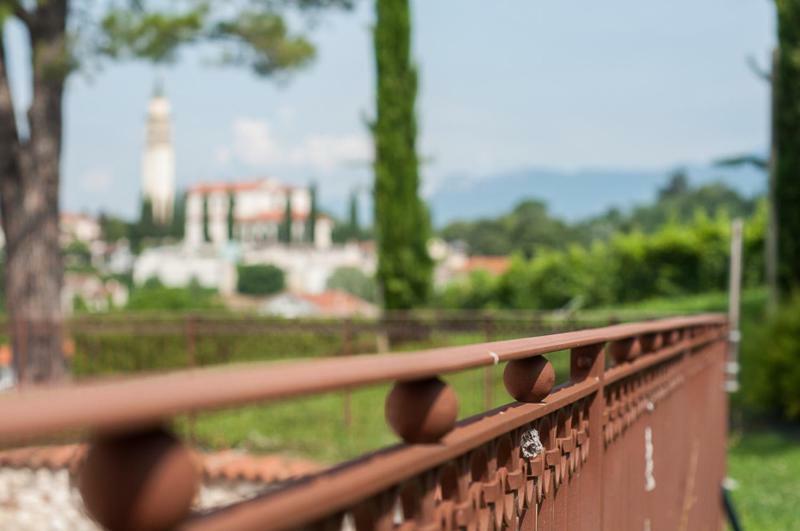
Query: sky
(504, 85)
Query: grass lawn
(766, 465)
(315, 426)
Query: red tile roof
(225, 186)
(336, 302)
(228, 465)
(274, 215)
(496, 265)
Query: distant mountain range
(571, 195)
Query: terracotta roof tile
(228, 465)
(336, 302)
(496, 265)
(237, 186)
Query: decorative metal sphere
(144, 481)
(529, 379)
(422, 411)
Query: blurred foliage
(677, 259)
(285, 227)
(78, 257)
(353, 280)
(402, 222)
(145, 231)
(246, 33)
(153, 295)
(770, 354)
(151, 350)
(113, 228)
(529, 227)
(787, 143)
(676, 202)
(259, 279)
(313, 214)
(525, 229)
(351, 229)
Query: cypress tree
(311, 222)
(285, 229)
(231, 217)
(206, 232)
(786, 195)
(402, 224)
(178, 223)
(354, 226)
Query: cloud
(97, 180)
(253, 143)
(326, 153)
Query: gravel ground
(44, 500)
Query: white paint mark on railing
(649, 480)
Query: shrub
(353, 280)
(154, 296)
(770, 369)
(678, 259)
(259, 279)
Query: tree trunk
(787, 170)
(29, 185)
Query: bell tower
(158, 163)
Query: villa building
(251, 212)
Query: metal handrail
(125, 403)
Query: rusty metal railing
(635, 439)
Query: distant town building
(308, 269)
(79, 227)
(454, 264)
(158, 162)
(251, 212)
(178, 266)
(330, 303)
(91, 293)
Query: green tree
(259, 279)
(528, 228)
(285, 228)
(353, 218)
(113, 228)
(147, 225)
(787, 144)
(353, 280)
(350, 228)
(63, 35)
(231, 217)
(206, 231)
(153, 295)
(78, 257)
(311, 222)
(178, 223)
(401, 219)
(678, 184)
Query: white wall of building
(308, 269)
(259, 209)
(177, 266)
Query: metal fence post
(589, 362)
(488, 371)
(734, 296)
(347, 350)
(191, 361)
